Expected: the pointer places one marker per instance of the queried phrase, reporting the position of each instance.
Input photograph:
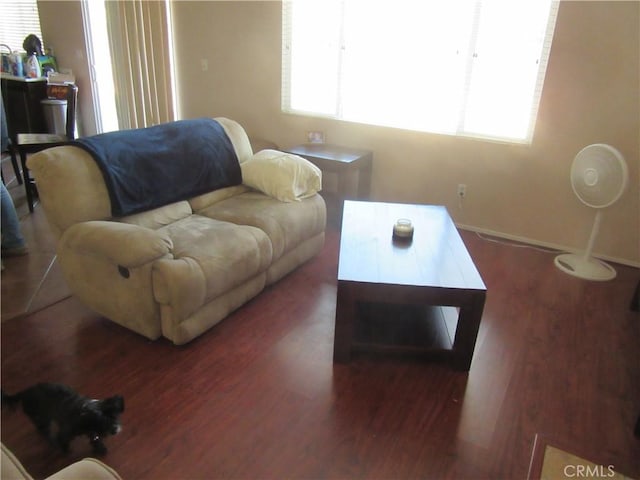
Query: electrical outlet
(462, 190)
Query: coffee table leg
(467, 332)
(344, 327)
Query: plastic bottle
(16, 64)
(33, 67)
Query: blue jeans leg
(11, 234)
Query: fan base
(588, 268)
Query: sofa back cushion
(159, 217)
(203, 201)
(72, 189)
(70, 186)
(238, 138)
(146, 168)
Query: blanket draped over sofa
(151, 167)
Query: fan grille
(599, 175)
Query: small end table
(344, 161)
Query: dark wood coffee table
(424, 296)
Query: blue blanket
(149, 167)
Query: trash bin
(55, 114)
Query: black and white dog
(61, 414)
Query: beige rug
(552, 463)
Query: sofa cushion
(70, 186)
(159, 217)
(85, 469)
(210, 257)
(203, 201)
(11, 467)
(286, 224)
(238, 137)
(284, 176)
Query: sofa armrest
(86, 469)
(11, 468)
(121, 243)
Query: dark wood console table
(344, 161)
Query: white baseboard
(537, 243)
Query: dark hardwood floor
(258, 396)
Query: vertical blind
(473, 68)
(17, 20)
(140, 41)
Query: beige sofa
(178, 269)
(86, 469)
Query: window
(18, 20)
(132, 38)
(472, 68)
(94, 19)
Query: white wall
(591, 95)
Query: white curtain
(140, 40)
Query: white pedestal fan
(599, 176)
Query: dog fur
(61, 414)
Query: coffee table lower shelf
(418, 330)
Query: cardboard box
(57, 91)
